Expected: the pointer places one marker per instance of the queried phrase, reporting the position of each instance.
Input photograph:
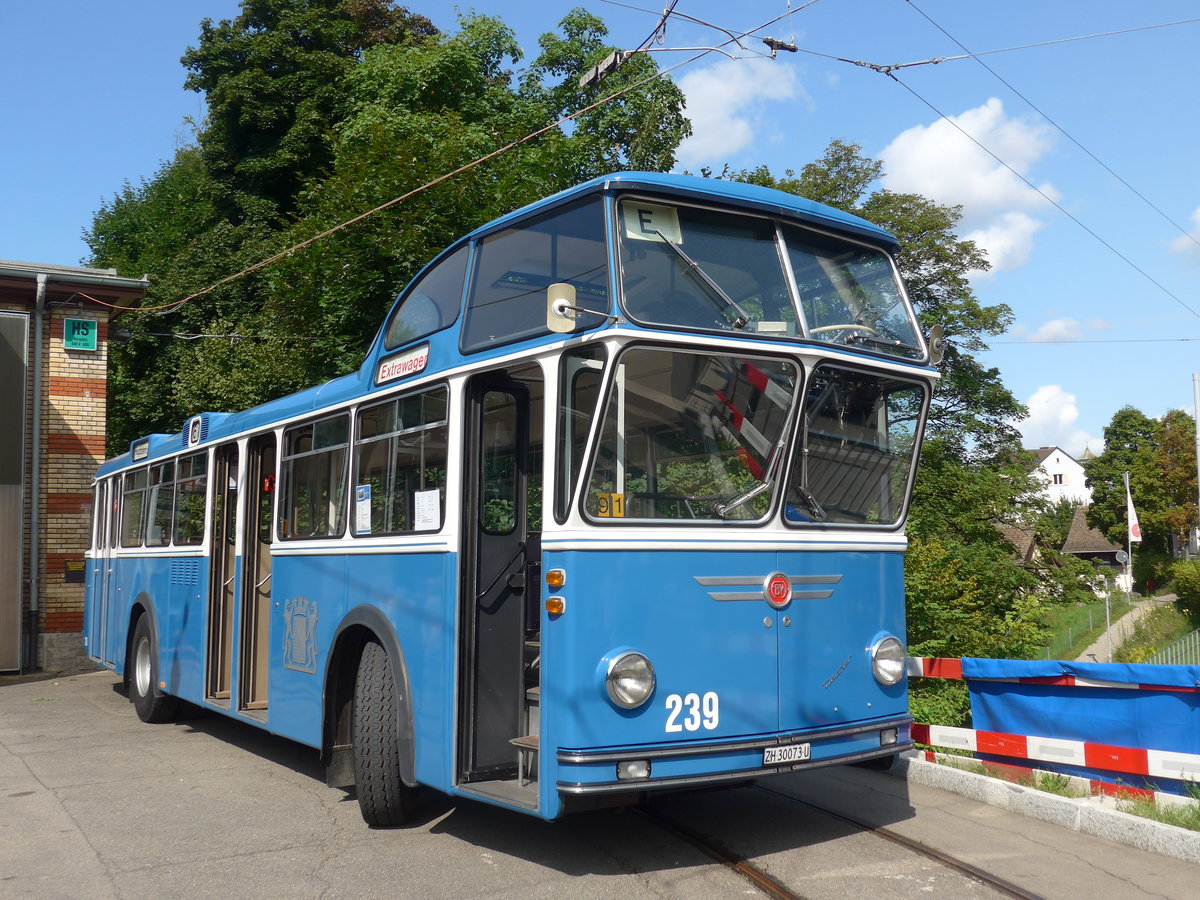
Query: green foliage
(1181, 815)
(934, 701)
(1054, 523)
(1186, 575)
(271, 78)
(1160, 459)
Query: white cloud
(726, 103)
(1052, 415)
(1190, 242)
(1008, 241)
(942, 163)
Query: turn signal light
(555, 578)
(556, 606)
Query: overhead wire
(1062, 209)
(1060, 129)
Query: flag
(1135, 530)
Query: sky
(1080, 175)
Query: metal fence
(1184, 652)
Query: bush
(1186, 574)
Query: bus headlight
(887, 660)
(630, 680)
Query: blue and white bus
(614, 505)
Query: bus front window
(701, 269)
(691, 436)
(860, 437)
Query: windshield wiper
(768, 481)
(817, 510)
(693, 267)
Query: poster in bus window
(428, 512)
(362, 509)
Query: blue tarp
(1140, 718)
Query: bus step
(534, 694)
(527, 748)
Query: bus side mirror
(937, 345)
(560, 308)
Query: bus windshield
(860, 436)
(691, 436)
(709, 270)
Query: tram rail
(776, 889)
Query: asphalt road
(93, 803)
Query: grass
(1076, 627)
(1047, 782)
(1181, 815)
(1156, 630)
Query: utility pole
(1196, 398)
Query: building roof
(1084, 539)
(18, 282)
(1021, 539)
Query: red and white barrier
(1126, 760)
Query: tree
(319, 111)
(271, 78)
(1130, 445)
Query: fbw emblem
(300, 635)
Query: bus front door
(499, 557)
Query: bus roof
(753, 196)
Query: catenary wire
(1062, 209)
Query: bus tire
(152, 704)
(383, 798)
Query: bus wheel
(152, 705)
(382, 797)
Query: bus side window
(400, 465)
(133, 519)
(507, 301)
(191, 492)
(431, 305)
(160, 500)
(313, 504)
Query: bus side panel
(308, 600)
(416, 592)
(182, 627)
(311, 596)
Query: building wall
(1064, 478)
(74, 394)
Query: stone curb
(1088, 815)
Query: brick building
(53, 377)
